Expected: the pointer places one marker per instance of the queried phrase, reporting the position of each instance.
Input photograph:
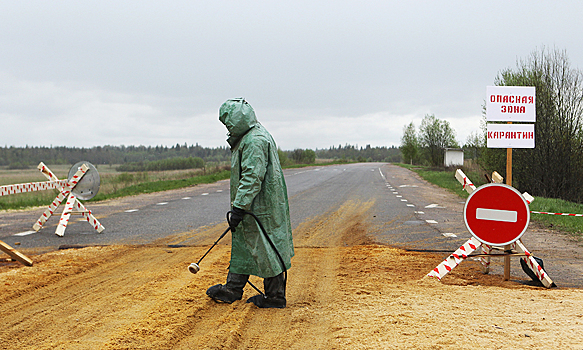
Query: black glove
(236, 217)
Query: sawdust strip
(343, 293)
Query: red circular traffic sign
(496, 214)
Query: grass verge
(164, 185)
(572, 225)
(44, 198)
(118, 184)
(446, 178)
(568, 224)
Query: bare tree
(554, 168)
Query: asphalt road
(312, 191)
(405, 211)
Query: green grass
(116, 184)
(570, 224)
(163, 185)
(446, 178)
(567, 224)
(112, 187)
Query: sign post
(510, 104)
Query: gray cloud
(318, 73)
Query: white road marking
(431, 221)
(449, 234)
(496, 215)
(399, 196)
(420, 212)
(403, 200)
(162, 203)
(25, 233)
(410, 205)
(430, 206)
(408, 186)
(132, 210)
(204, 194)
(186, 198)
(219, 190)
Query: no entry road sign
(496, 214)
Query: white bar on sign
(496, 215)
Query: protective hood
(239, 117)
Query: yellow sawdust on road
(343, 293)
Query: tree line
(554, 168)
(363, 154)
(164, 164)
(24, 157)
(148, 158)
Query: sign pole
(509, 183)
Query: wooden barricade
(474, 244)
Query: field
(113, 183)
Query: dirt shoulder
(358, 297)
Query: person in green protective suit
(257, 186)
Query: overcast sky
(318, 73)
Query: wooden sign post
(510, 104)
(66, 188)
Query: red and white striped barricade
(66, 188)
(496, 215)
(72, 205)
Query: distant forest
(367, 154)
(25, 157)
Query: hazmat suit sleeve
(254, 159)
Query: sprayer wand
(194, 267)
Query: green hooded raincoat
(258, 186)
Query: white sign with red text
(510, 136)
(510, 104)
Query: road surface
(399, 209)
